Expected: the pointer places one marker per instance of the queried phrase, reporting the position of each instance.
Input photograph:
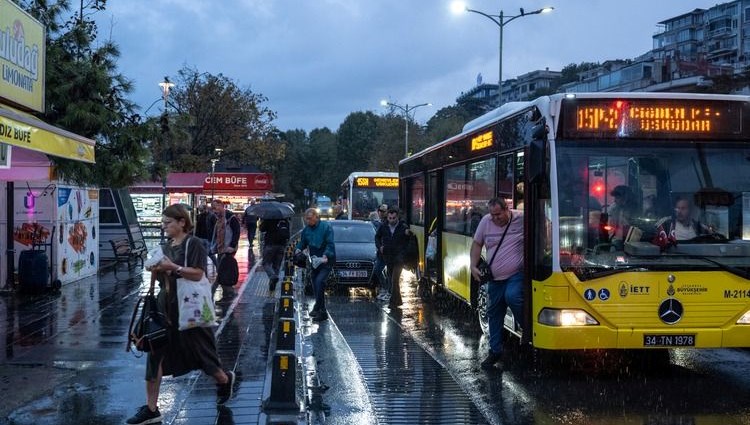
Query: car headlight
(745, 319)
(317, 210)
(566, 317)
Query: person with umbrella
(275, 237)
(274, 226)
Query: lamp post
(218, 152)
(501, 21)
(405, 109)
(165, 85)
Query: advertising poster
(78, 225)
(61, 220)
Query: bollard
(289, 268)
(285, 334)
(287, 288)
(283, 380)
(286, 307)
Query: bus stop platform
(65, 361)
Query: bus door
(433, 226)
(511, 188)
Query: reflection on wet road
(694, 387)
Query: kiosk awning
(29, 132)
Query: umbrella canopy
(271, 210)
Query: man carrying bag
(501, 231)
(226, 239)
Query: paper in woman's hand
(154, 257)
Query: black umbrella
(271, 210)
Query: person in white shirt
(682, 226)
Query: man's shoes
(225, 391)
(491, 360)
(320, 317)
(145, 416)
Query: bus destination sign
(652, 118)
(388, 182)
(481, 141)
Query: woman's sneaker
(145, 416)
(225, 391)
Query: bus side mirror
(537, 169)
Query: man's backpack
(282, 232)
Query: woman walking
(190, 349)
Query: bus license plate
(669, 340)
(352, 273)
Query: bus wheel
(482, 300)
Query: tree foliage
(212, 112)
(86, 95)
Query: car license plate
(352, 273)
(669, 340)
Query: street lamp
(218, 152)
(165, 85)
(405, 109)
(501, 21)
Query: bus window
(415, 186)
(467, 190)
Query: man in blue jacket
(317, 238)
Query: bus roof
(512, 108)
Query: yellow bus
(589, 283)
(364, 191)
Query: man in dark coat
(391, 240)
(226, 239)
(275, 237)
(251, 224)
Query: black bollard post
(286, 307)
(287, 288)
(285, 334)
(283, 380)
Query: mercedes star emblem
(670, 311)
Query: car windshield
(360, 232)
(653, 205)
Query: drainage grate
(406, 385)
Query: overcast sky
(319, 60)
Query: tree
(212, 111)
(355, 142)
(388, 145)
(570, 72)
(292, 176)
(86, 95)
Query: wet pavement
(65, 362)
(420, 364)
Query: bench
(123, 250)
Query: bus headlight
(745, 319)
(317, 210)
(567, 317)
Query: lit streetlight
(501, 21)
(218, 152)
(166, 86)
(406, 109)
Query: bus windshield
(653, 205)
(366, 200)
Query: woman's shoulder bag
(148, 329)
